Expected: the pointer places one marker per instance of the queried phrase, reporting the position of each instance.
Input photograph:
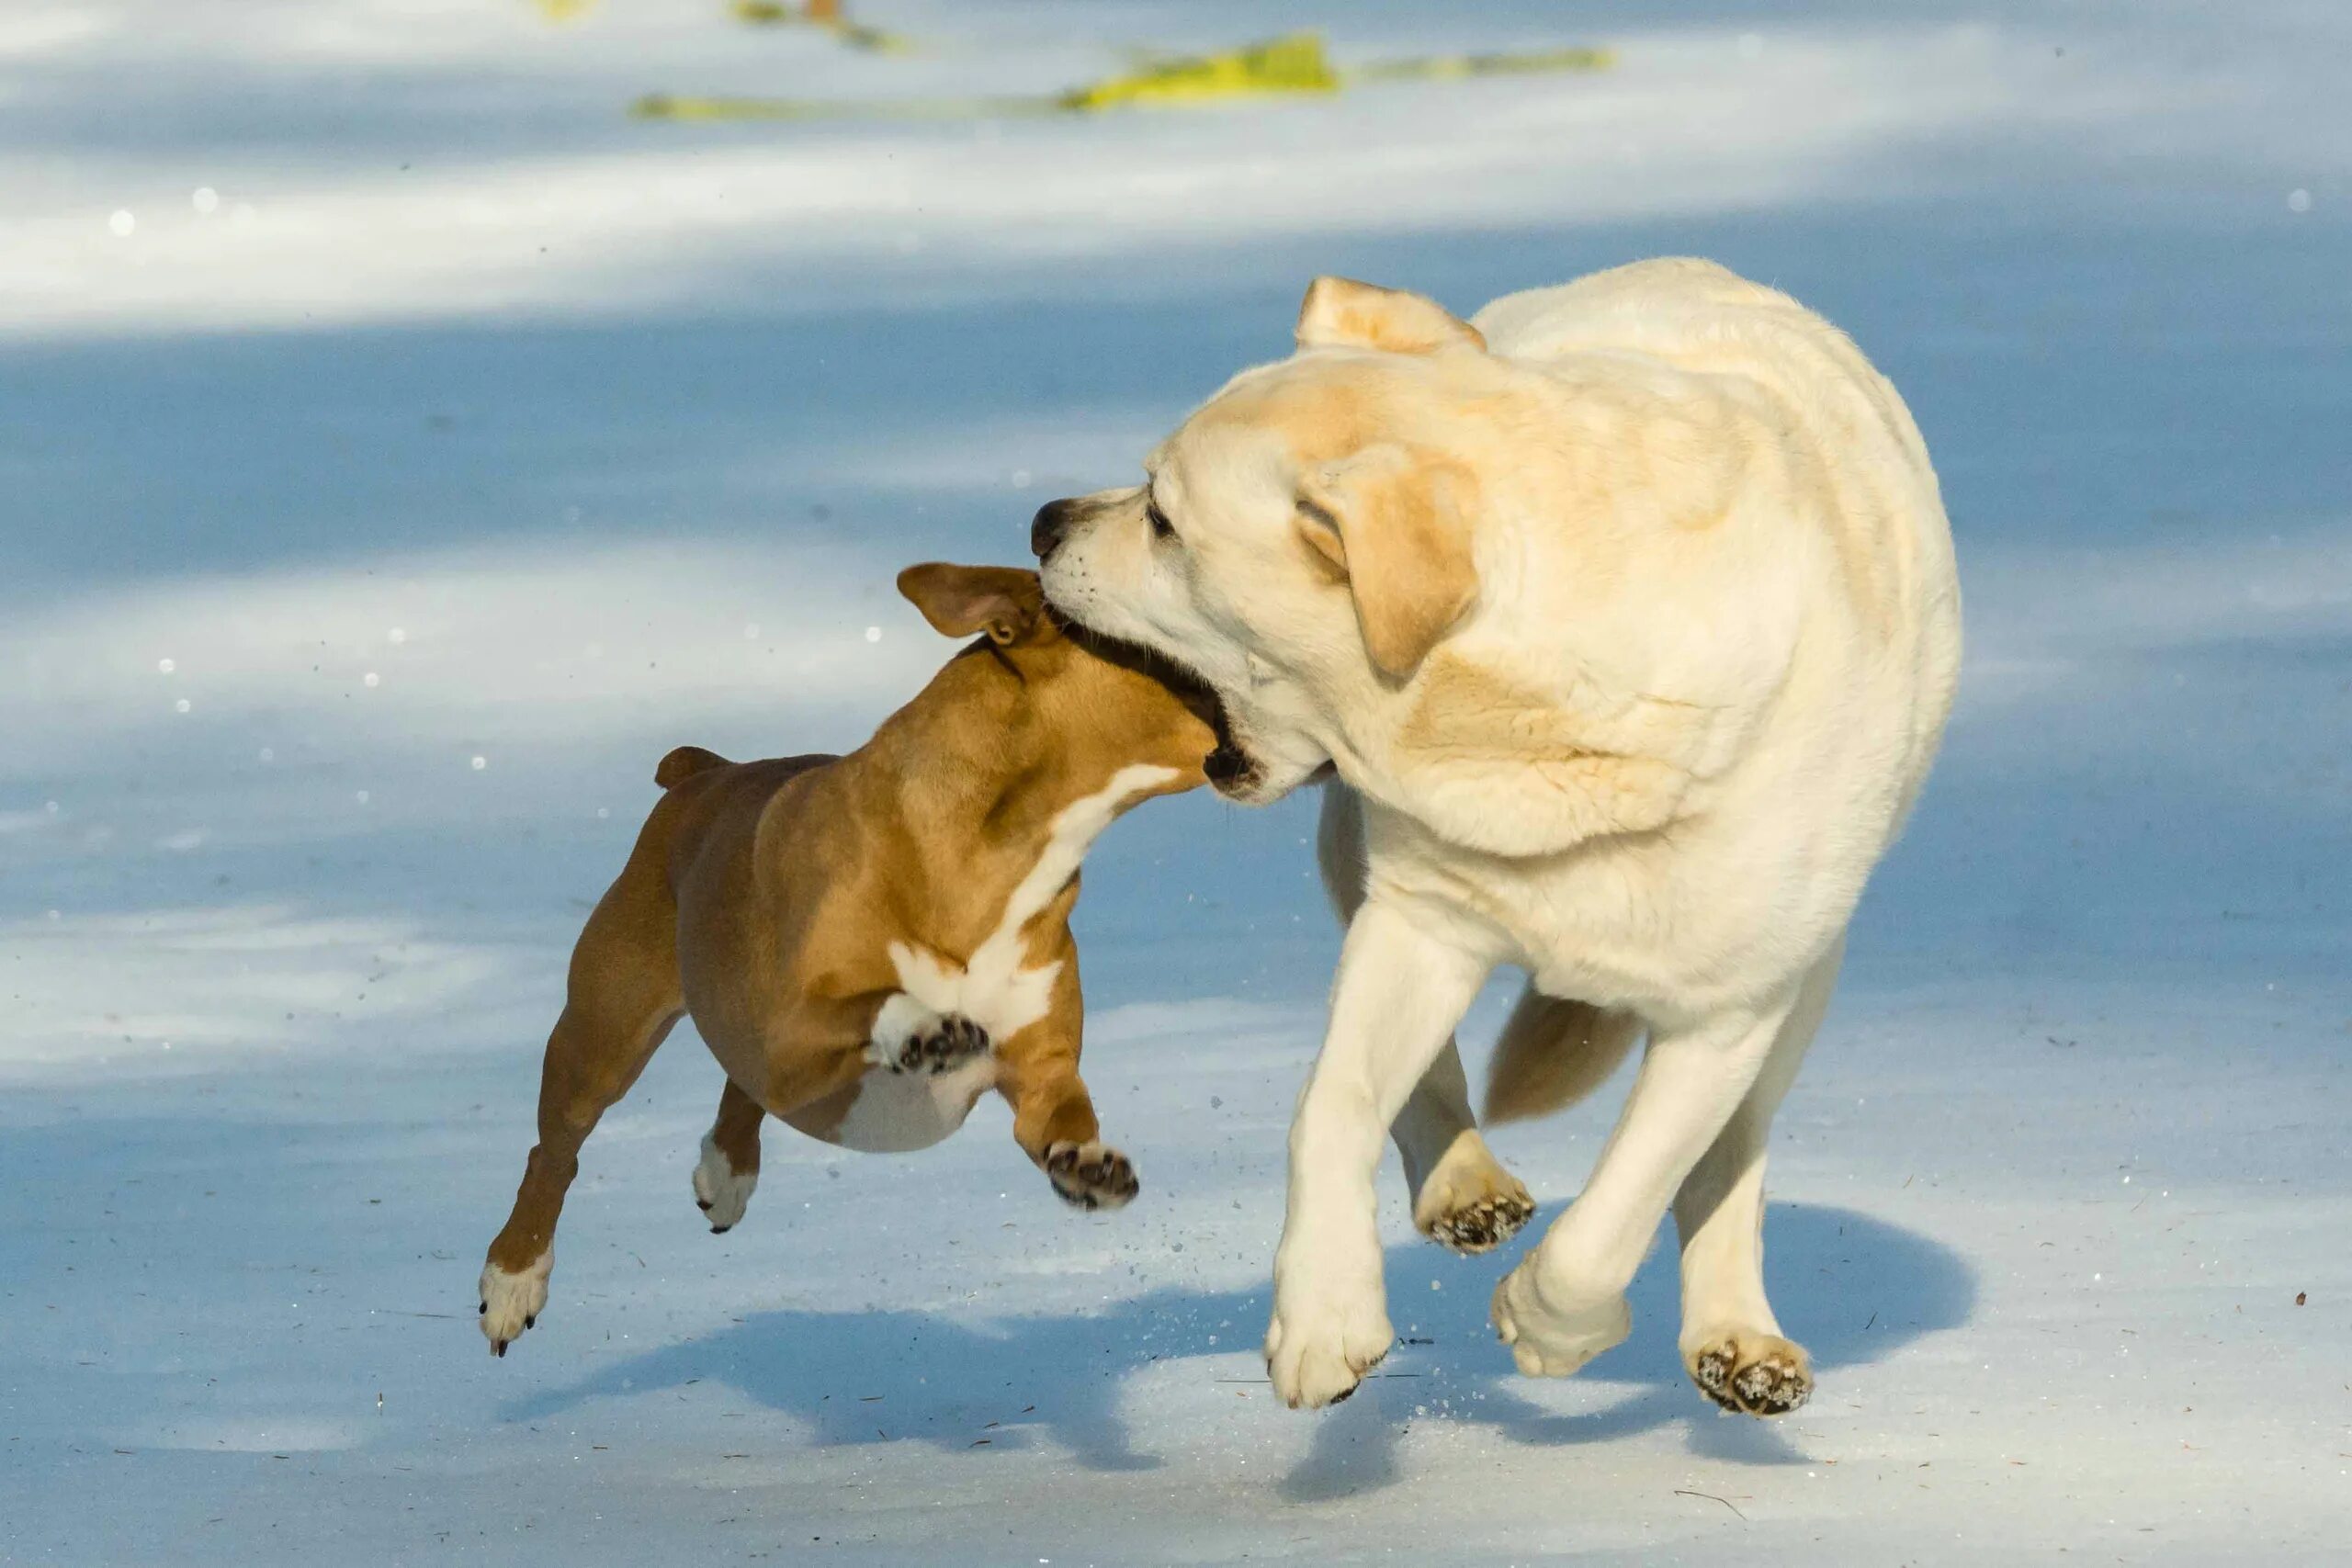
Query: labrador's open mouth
(1231, 770)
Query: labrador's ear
(1342, 313)
(1396, 522)
(1002, 601)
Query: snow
(404, 448)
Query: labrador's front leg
(1401, 990)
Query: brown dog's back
(684, 763)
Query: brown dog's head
(1108, 706)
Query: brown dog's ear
(1397, 523)
(1341, 312)
(1002, 601)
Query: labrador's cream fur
(1626, 613)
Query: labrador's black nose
(1048, 527)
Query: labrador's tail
(1553, 1053)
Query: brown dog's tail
(1553, 1053)
(684, 763)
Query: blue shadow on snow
(1852, 1289)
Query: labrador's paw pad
(1752, 1374)
(1469, 1202)
(1482, 1224)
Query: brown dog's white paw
(1090, 1176)
(1472, 1205)
(511, 1303)
(721, 1192)
(911, 1038)
(1750, 1373)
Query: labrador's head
(1304, 540)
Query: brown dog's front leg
(1052, 1116)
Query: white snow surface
(404, 448)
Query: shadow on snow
(1852, 1287)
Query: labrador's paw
(1749, 1372)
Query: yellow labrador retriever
(1626, 614)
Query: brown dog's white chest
(996, 988)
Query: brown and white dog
(868, 944)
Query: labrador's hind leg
(1732, 1345)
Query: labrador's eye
(1161, 527)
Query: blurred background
(418, 415)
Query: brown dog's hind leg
(622, 998)
(729, 1168)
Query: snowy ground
(403, 448)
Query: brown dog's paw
(1090, 1176)
(944, 1045)
(512, 1301)
(1752, 1374)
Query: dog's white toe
(511, 1303)
(721, 1192)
